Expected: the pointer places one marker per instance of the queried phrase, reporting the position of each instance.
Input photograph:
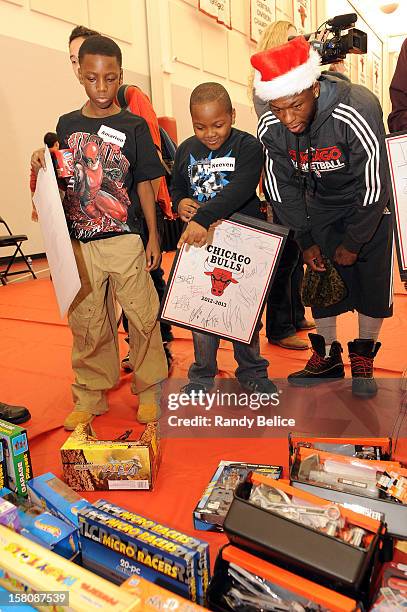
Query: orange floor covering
(35, 371)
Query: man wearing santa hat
(326, 175)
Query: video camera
(333, 45)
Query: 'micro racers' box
(116, 550)
(194, 544)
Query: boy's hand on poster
(405, 285)
(313, 258)
(343, 257)
(153, 254)
(38, 160)
(194, 234)
(187, 209)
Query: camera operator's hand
(313, 258)
(343, 257)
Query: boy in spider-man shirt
(114, 163)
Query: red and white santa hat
(285, 70)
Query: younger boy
(203, 200)
(114, 162)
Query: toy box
(27, 566)
(378, 449)
(193, 544)
(43, 527)
(153, 597)
(116, 550)
(9, 515)
(214, 504)
(351, 479)
(52, 494)
(243, 581)
(17, 456)
(90, 464)
(3, 467)
(306, 534)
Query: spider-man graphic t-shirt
(111, 155)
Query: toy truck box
(17, 456)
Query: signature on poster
(183, 278)
(232, 318)
(181, 302)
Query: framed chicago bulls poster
(221, 288)
(396, 146)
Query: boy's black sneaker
(361, 355)
(319, 369)
(263, 386)
(194, 389)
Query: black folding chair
(14, 241)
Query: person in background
(51, 141)
(285, 313)
(201, 200)
(397, 120)
(338, 70)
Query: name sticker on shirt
(223, 164)
(109, 134)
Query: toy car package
(115, 549)
(54, 495)
(194, 544)
(43, 527)
(214, 504)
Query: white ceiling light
(389, 7)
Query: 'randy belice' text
(221, 421)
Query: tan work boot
(294, 343)
(149, 409)
(78, 417)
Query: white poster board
(377, 78)
(58, 247)
(262, 14)
(219, 10)
(221, 288)
(396, 146)
(302, 16)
